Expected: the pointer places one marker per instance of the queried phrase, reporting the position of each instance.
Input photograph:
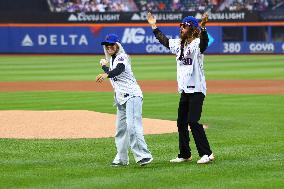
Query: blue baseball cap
(190, 20)
(110, 39)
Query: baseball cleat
(180, 160)
(145, 161)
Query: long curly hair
(194, 32)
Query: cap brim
(106, 43)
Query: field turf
(245, 131)
(59, 68)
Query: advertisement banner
(122, 17)
(135, 39)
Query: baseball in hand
(103, 62)
(101, 77)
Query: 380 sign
(231, 47)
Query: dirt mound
(69, 124)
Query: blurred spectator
(250, 5)
(162, 6)
(177, 6)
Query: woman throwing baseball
(128, 99)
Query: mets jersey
(190, 72)
(125, 84)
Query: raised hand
(204, 20)
(151, 20)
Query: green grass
(246, 134)
(59, 68)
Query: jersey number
(187, 61)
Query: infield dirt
(87, 124)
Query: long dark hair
(193, 33)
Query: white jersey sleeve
(174, 45)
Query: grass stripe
(53, 68)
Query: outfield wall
(136, 38)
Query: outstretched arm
(158, 34)
(203, 35)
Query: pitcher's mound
(69, 124)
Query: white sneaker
(211, 157)
(179, 160)
(204, 159)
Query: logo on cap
(190, 20)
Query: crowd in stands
(93, 5)
(172, 5)
(161, 5)
(250, 5)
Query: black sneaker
(145, 161)
(118, 164)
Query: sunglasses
(182, 25)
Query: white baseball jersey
(125, 84)
(190, 72)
